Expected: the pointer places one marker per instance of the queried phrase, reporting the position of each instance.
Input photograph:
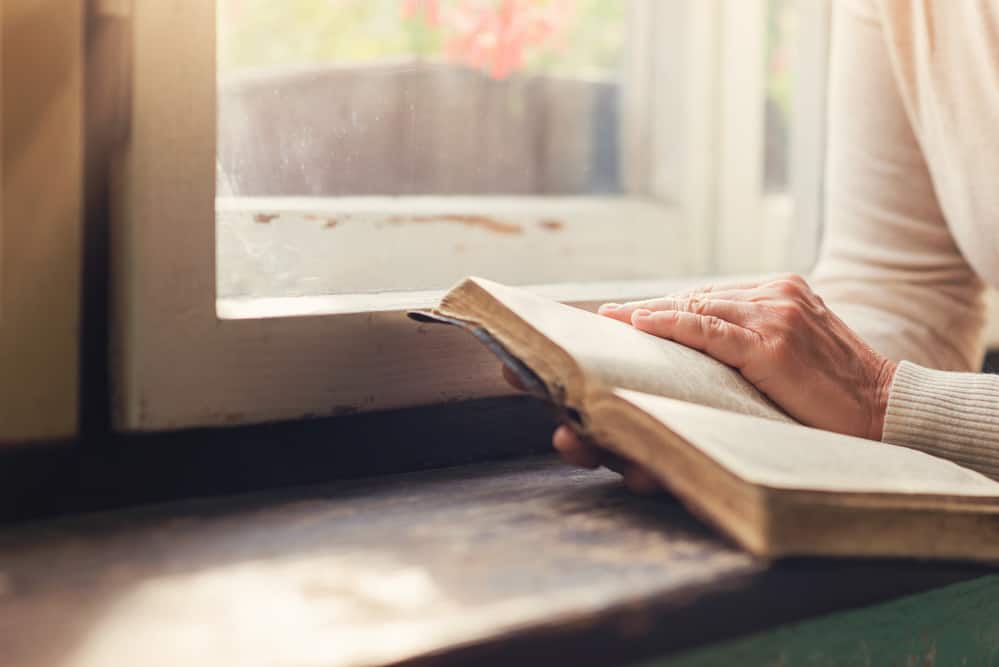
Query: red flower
(497, 39)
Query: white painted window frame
(40, 219)
(178, 364)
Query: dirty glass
(401, 97)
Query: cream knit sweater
(912, 214)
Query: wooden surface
(495, 563)
(110, 471)
(42, 160)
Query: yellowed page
(619, 356)
(791, 456)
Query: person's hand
(577, 451)
(781, 337)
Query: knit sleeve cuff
(951, 415)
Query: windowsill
(275, 248)
(489, 564)
(586, 295)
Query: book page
(791, 456)
(620, 356)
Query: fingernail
(608, 307)
(641, 314)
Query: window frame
(42, 143)
(177, 364)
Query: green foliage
(594, 43)
(258, 33)
(262, 33)
(780, 27)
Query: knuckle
(693, 304)
(797, 277)
(712, 327)
(792, 286)
(789, 314)
(788, 289)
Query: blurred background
(330, 110)
(357, 97)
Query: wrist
(882, 389)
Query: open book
(734, 458)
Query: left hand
(784, 340)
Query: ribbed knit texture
(951, 415)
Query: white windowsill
(585, 295)
(371, 249)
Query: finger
(747, 295)
(641, 481)
(578, 452)
(618, 464)
(574, 450)
(713, 290)
(512, 378)
(722, 302)
(736, 312)
(727, 342)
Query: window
(299, 173)
(374, 146)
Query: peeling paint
(481, 221)
(552, 225)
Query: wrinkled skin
(781, 337)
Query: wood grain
(489, 564)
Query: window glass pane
(780, 33)
(396, 97)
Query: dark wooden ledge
(486, 564)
